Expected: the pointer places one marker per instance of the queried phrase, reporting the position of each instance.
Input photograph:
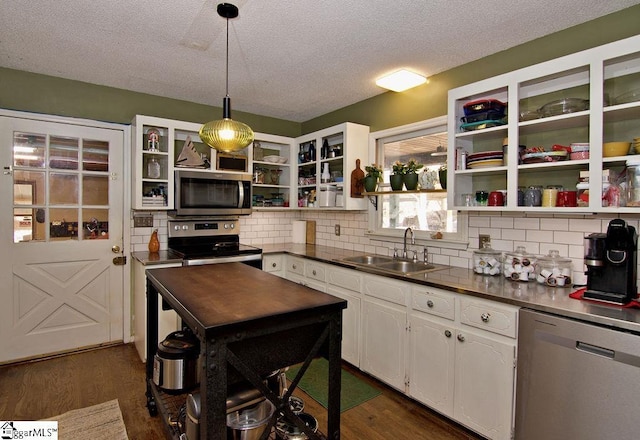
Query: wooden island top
(222, 296)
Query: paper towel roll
(299, 231)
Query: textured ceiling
(290, 59)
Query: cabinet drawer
(272, 263)
(315, 271)
(386, 289)
(347, 279)
(489, 316)
(295, 265)
(434, 302)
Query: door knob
(115, 249)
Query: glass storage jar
(633, 182)
(486, 261)
(519, 265)
(553, 270)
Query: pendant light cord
(227, 80)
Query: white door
(61, 213)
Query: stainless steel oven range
(211, 241)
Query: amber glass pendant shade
(226, 134)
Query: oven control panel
(203, 228)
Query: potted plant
(396, 179)
(411, 176)
(372, 177)
(442, 175)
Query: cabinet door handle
(460, 338)
(430, 304)
(485, 317)
(447, 333)
(314, 272)
(274, 264)
(294, 266)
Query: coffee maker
(611, 261)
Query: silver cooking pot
(175, 365)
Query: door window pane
(95, 155)
(95, 190)
(29, 150)
(95, 224)
(63, 153)
(63, 224)
(28, 187)
(64, 189)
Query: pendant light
(225, 134)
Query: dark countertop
(497, 288)
(242, 294)
(161, 257)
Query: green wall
(50, 95)
(392, 109)
(57, 96)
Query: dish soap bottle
(154, 243)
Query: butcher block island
(249, 324)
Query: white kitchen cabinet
(348, 142)
(274, 264)
(604, 77)
(347, 284)
(432, 360)
(484, 383)
(459, 370)
(168, 320)
(384, 329)
(273, 171)
(153, 162)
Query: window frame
(459, 240)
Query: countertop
(531, 294)
(463, 281)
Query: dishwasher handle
(594, 349)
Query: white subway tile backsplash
(554, 224)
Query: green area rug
(314, 383)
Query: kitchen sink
(378, 263)
(368, 259)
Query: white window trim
(422, 237)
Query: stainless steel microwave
(211, 194)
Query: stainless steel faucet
(413, 241)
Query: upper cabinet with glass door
(559, 117)
(325, 160)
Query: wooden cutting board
(357, 186)
(311, 232)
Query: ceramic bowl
(611, 149)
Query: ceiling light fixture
(400, 80)
(226, 134)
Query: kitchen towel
(299, 231)
(578, 295)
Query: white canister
(339, 197)
(327, 197)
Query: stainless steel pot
(175, 365)
(287, 430)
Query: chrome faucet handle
(395, 252)
(415, 255)
(425, 254)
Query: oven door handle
(240, 194)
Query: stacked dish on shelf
(483, 113)
(485, 159)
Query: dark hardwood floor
(41, 389)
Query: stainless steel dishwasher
(576, 380)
